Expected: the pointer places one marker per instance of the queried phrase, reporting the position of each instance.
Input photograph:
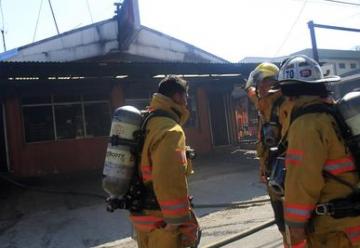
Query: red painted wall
(51, 157)
(36, 159)
(200, 137)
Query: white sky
(231, 29)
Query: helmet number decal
(305, 73)
(289, 73)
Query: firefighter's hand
(190, 234)
(298, 237)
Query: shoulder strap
(274, 117)
(148, 115)
(141, 135)
(321, 108)
(156, 113)
(316, 108)
(338, 179)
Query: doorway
(219, 119)
(4, 166)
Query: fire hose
(241, 235)
(215, 205)
(241, 204)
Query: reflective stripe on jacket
(164, 166)
(314, 145)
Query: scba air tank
(349, 108)
(120, 160)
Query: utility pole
(53, 15)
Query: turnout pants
(277, 206)
(330, 240)
(159, 238)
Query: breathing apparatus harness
(348, 206)
(270, 134)
(270, 137)
(270, 131)
(139, 196)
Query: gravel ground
(32, 219)
(226, 223)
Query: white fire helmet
(301, 68)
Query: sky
(231, 29)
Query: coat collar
(162, 102)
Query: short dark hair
(171, 85)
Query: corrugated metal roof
(332, 54)
(48, 46)
(44, 70)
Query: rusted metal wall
(199, 137)
(51, 157)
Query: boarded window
(38, 123)
(97, 119)
(69, 121)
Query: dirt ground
(83, 189)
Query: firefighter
(168, 220)
(272, 109)
(258, 84)
(316, 158)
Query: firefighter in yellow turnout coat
(164, 169)
(314, 146)
(259, 82)
(273, 109)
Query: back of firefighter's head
(175, 88)
(262, 78)
(301, 75)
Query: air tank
(349, 108)
(120, 158)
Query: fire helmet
(301, 68)
(262, 71)
(301, 75)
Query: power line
(37, 21)
(2, 16)
(89, 10)
(53, 15)
(342, 2)
(292, 27)
(3, 26)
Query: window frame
(52, 104)
(193, 100)
(342, 65)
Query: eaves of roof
(45, 70)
